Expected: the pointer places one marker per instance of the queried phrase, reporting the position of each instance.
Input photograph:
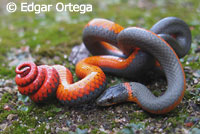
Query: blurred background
(52, 34)
(47, 38)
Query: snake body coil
(124, 52)
(40, 83)
(139, 93)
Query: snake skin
(126, 52)
(93, 34)
(170, 63)
(177, 27)
(39, 82)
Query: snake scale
(125, 52)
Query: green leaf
(56, 109)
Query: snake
(126, 52)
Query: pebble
(9, 83)
(65, 56)
(68, 123)
(47, 126)
(56, 58)
(191, 58)
(185, 131)
(152, 128)
(78, 53)
(50, 118)
(197, 74)
(73, 128)
(198, 101)
(120, 120)
(57, 129)
(7, 107)
(158, 125)
(119, 110)
(2, 82)
(65, 129)
(188, 69)
(102, 129)
(3, 126)
(52, 130)
(10, 117)
(9, 90)
(30, 129)
(195, 81)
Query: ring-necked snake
(126, 52)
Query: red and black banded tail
(40, 83)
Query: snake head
(113, 95)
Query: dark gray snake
(165, 40)
(124, 52)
